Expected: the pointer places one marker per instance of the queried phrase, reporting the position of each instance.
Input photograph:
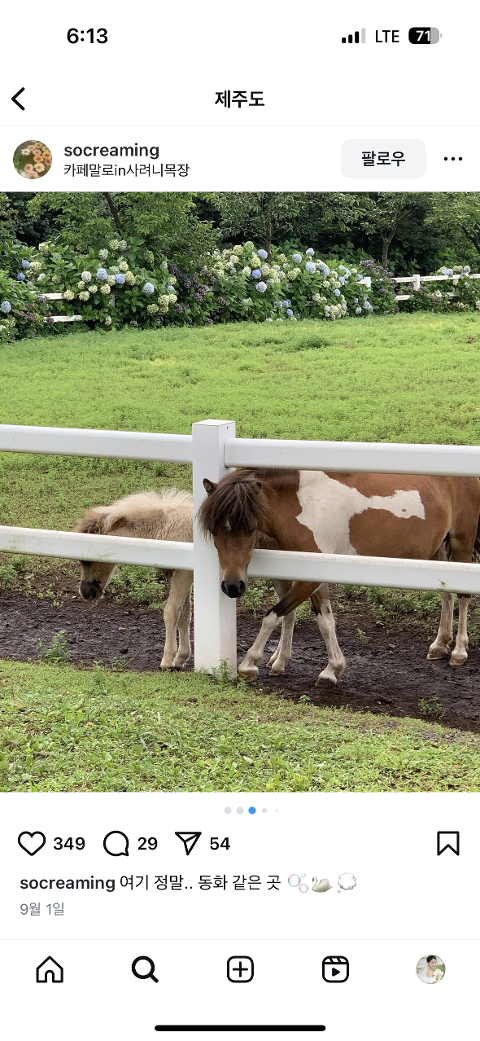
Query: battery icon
(424, 34)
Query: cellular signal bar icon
(358, 37)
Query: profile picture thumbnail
(32, 159)
(430, 969)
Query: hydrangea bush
(456, 292)
(21, 311)
(125, 283)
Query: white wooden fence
(212, 449)
(416, 282)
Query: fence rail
(212, 448)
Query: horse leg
(184, 619)
(283, 651)
(298, 592)
(459, 654)
(440, 646)
(326, 624)
(179, 587)
(462, 546)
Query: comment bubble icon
(116, 844)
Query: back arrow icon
(15, 96)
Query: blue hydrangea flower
(358, 310)
(342, 280)
(120, 278)
(289, 311)
(171, 289)
(20, 276)
(262, 254)
(341, 267)
(286, 303)
(310, 252)
(356, 300)
(467, 269)
(102, 274)
(297, 257)
(323, 267)
(261, 287)
(337, 292)
(25, 264)
(256, 273)
(148, 288)
(359, 278)
(6, 306)
(310, 267)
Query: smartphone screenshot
(239, 522)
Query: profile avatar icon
(32, 159)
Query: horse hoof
(249, 673)
(277, 670)
(326, 678)
(459, 660)
(436, 653)
(271, 661)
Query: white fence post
(416, 283)
(215, 620)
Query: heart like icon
(31, 841)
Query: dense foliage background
(154, 259)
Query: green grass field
(398, 378)
(65, 729)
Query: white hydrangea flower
(80, 285)
(68, 295)
(237, 250)
(93, 289)
(103, 254)
(108, 320)
(153, 308)
(111, 280)
(123, 266)
(114, 270)
(41, 277)
(247, 271)
(114, 244)
(86, 276)
(164, 299)
(84, 296)
(265, 269)
(164, 265)
(35, 265)
(105, 289)
(130, 278)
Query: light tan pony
(168, 515)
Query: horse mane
(236, 504)
(142, 508)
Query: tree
(457, 214)
(166, 222)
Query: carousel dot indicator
(252, 809)
(228, 809)
(239, 809)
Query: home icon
(49, 971)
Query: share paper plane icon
(189, 839)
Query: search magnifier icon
(149, 966)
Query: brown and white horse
(387, 515)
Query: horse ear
(93, 528)
(209, 485)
